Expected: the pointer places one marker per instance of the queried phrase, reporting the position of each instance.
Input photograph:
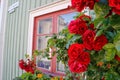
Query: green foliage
(109, 46)
(112, 75)
(115, 21)
(117, 43)
(101, 10)
(30, 76)
(110, 54)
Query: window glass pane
(44, 63)
(64, 20)
(41, 45)
(60, 67)
(41, 42)
(45, 26)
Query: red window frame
(54, 16)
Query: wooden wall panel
(16, 34)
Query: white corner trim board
(52, 7)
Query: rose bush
(91, 45)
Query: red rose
(81, 4)
(91, 26)
(100, 42)
(88, 39)
(80, 63)
(77, 26)
(75, 50)
(90, 3)
(117, 58)
(78, 4)
(91, 43)
(26, 68)
(76, 67)
(29, 69)
(115, 4)
(22, 64)
(78, 59)
(83, 58)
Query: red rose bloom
(27, 66)
(78, 59)
(75, 50)
(76, 67)
(83, 58)
(91, 26)
(90, 3)
(22, 64)
(78, 4)
(115, 4)
(117, 58)
(81, 4)
(77, 26)
(90, 43)
(88, 39)
(100, 42)
(29, 69)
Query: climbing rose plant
(90, 45)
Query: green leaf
(98, 22)
(110, 54)
(111, 75)
(26, 55)
(110, 35)
(108, 46)
(101, 10)
(36, 52)
(117, 38)
(108, 76)
(117, 46)
(117, 43)
(99, 33)
(115, 21)
(51, 42)
(73, 39)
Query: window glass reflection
(44, 63)
(60, 67)
(45, 26)
(41, 42)
(64, 20)
(41, 45)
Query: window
(46, 25)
